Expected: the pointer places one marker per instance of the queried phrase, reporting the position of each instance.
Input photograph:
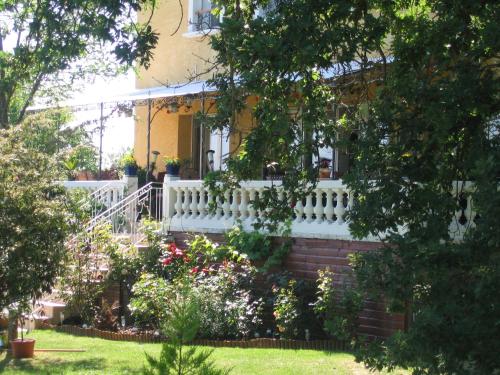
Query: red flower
(205, 271)
(186, 259)
(195, 270)
(172, 247)
(167, 261)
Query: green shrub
(257, 247)
(338, 309)
(84, 278)
(180, 326)
(227, 305)
(149, 304)
(287, 310)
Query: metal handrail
(126, 214)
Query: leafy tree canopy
(420, 80)
(34, 220)
(43, 44)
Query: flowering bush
(228, 307)
(149, 304)
(177, 262)
(338, 309)
(287, 310)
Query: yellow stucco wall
(164, 134)
(175, 55)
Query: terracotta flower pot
(23, 348)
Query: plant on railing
(338, 309)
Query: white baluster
(187, 201)
(201, 203)
(299, 211)
(318, 208)
(194, 202)
(339, 207)
(218, 210)
(108, 199)
(251, 209)
(209, 206)
(260, 192)
(178, 203)
(243, 204)
(226, 206)
(309, 209)
(329, 210)
(235, 204)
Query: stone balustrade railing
(322, 214)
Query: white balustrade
(321, 214)
(187, 202)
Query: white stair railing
(125, 216)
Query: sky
(118, 131)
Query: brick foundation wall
(307, 256)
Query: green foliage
(338, 309)
(83, 280)
(258, 247)
(287, 310)
(34, 220)
(171, 160)
(212, 251)
(228, 307)
(432, 122)
(50, 46)
(70, 147)
(181, 327)
(151, 300)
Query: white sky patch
(118, 132)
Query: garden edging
(267, 343)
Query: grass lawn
(115, 357)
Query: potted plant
(129, 164)
(172, 165)
(22, 348)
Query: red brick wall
(310, 255)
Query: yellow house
(175, 87)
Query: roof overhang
(135, 97)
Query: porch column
(169, 198)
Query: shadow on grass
(54, 366)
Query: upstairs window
(201, 18)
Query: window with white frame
(201, 17)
